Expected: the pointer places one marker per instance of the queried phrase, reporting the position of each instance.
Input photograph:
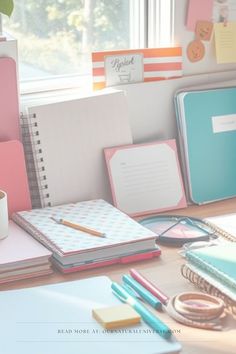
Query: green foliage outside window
(57, 36)
(6, 7)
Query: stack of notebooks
(21, 256)
(206, 120)
(212, 269)
(125, 240)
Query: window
(56, 37)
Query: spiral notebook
(225, 225)
(218, 261)
(64, 144)
(210, 285)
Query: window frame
(146, 30)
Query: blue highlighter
(142, 292)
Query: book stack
(21, 256)
(124, 240)
(212, 269)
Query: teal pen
(147, 316)
(143, 293)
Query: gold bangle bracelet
(198, 305)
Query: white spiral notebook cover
(118, 227)
(64, 144)
(224, 224)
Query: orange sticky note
(204, 30)
(195, 50)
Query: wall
(151, 105)
(184, 37)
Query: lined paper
(145, 178)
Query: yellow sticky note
(225, 42)
(116, 316)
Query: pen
(146, 315)
(79, 227)
(143, 293)
(149, 286)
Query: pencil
(79, 227)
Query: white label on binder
(224, 123)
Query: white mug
(3, 215)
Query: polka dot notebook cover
(99, 215)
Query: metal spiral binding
(34, 161)
(206, 287)
(221, 232)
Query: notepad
(225, 42)
(64, 146)
(219, 261)
(145, 178)
(58, 319)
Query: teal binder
(207, 129)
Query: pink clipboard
(9, 103)
(13, 176)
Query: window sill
(73, 82)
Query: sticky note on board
(204, 30)
(225, 43)
(116, 316)
(198, 10)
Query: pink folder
(9, 105)
(13, 176)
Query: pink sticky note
(198, 10)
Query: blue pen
(146, 315)
(144, 293)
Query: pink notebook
(21, 256)
(9, 104)
(13, 176)
(21, 249)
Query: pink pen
(149, 286)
